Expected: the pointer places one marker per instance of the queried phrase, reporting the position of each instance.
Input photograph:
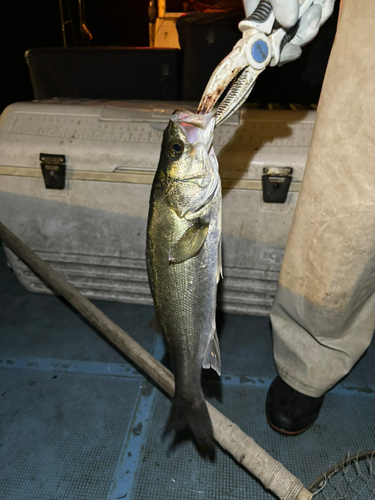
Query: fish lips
(197, 128)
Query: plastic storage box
(75, 181)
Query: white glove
(287, 14)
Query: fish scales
(183, 261)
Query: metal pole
(85, 34)
(62, 23)
(152, 15)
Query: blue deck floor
(78, 422)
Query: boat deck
(79, 422)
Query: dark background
(124, 23)
(26, 24)
(36, 23)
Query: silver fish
(184, 264)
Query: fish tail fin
(195, 416)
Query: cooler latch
(54, 170)
(275, 184)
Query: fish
(183, 254)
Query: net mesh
(350, 479)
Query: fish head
(189, 165)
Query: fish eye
(176, 149)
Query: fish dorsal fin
(155, 325)
(190, 242)
(212, 356)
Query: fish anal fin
(220, 261)
(212, 355)
(190, 243)
(155, 325)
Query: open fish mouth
(197, 128)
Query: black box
(106, 73)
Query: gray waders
(323, 316)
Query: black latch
(275, 183)
(54, 170)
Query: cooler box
(75, 181)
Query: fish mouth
(186, 116)
(197, 128)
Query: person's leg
(323, 316)
(315, 347)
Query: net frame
(350, 479)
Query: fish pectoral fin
(190, 243)
(155, 325)
(212, 356)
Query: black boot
(289, 411)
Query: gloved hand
(287, 14)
